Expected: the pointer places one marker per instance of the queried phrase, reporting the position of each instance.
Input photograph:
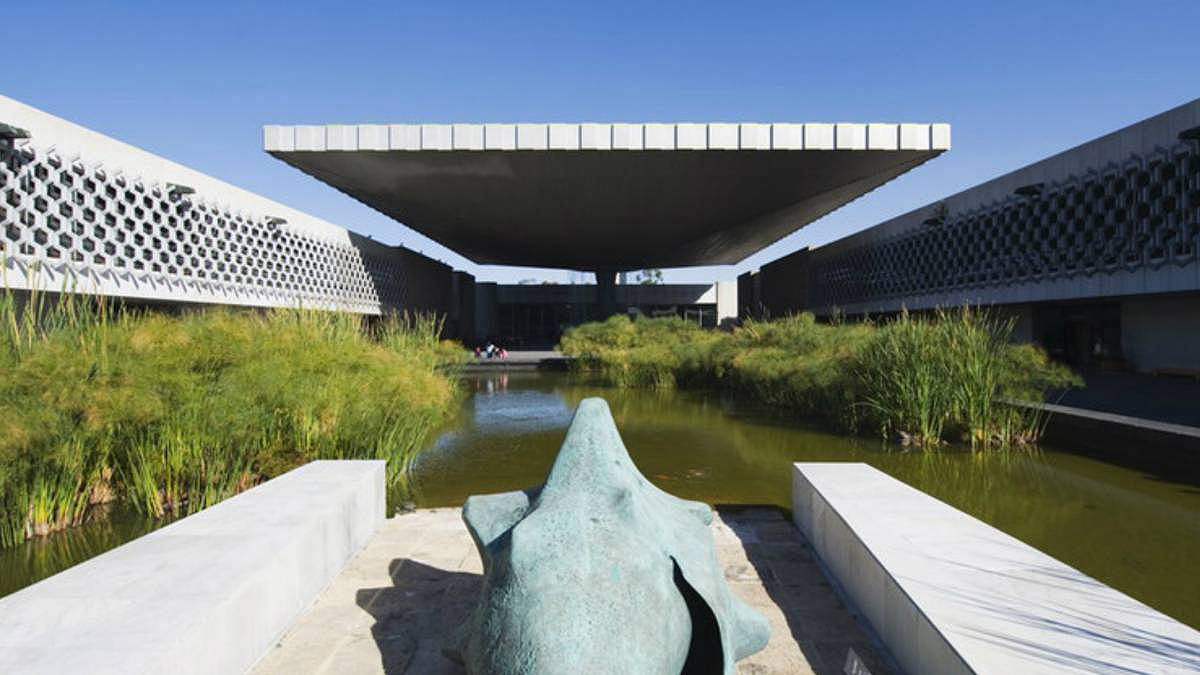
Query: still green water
(38, 558)
(1132, 530)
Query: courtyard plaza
(396, 602)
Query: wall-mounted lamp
(1031, 190)
(177, 190)
(273, 223)
(940, 213)
(11, 133)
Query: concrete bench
(947, 593)
(207, 594)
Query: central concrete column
(606, 293)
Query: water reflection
(1136, 532)
(106, 528)
(495, 409)
(1132, 531)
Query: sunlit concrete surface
(87, 213)
(392, 608)
(207, 594)
(950, 594)
(522, 359)
(606, 196)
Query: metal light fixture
(10, 133)
(273, 223)
(1031, 190)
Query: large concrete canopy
(606, 196)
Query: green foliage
(649, 277)
(174, 413)
(645, 353)
(923, 380)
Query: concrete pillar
(727, 302)
(462, 307)
(606, 293)
(486, 323)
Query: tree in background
(649, 277)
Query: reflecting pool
(107, 527)
(1135, 531)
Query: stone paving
(392, 606)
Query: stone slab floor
(391, 607)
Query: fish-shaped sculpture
(598, 571)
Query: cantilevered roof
(606, 196)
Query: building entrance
(1086, 335)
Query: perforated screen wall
(1143, 213)
(82, 212)
(65, 219)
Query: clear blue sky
(195, 82)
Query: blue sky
(195, 82)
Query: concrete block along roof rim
(607, 136)
(606, 197)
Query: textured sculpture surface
(598, 571)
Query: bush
(173, 413)
(923, 381)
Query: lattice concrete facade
(1117, 216)
(83, 212)
(1139, 215)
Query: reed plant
(172, 413)
(919, 380)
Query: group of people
(491, 351)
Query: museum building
(1093, 252)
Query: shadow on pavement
(415, 615)
(817, 618)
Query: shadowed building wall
(536, 314)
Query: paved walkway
(417, 579)
(527, 359)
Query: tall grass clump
(954, 375)
(172, 413)
(950, 376)
(796, 364)
(649, 352)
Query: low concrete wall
(1132, 441)
(947, 593)
(207, 594)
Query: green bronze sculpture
(598, 571)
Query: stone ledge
(207, 594)
(947, 593)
